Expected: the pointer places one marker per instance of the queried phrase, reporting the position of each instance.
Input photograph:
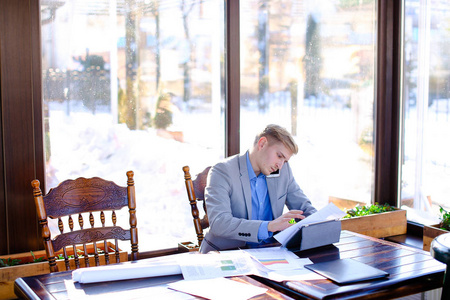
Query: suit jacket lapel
(245, 182)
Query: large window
(425, 144)
(140, 85)
(309, 66)
(135, 85)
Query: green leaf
(9, 262)
(364, 210)
(445, 219)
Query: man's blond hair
(276, 133)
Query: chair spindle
(106, 252)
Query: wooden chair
(93, 196)
(196, 192)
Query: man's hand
(282, 222)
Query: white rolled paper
(125, 271)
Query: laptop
(346, 271)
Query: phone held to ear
(274, 174)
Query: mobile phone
(274, 174)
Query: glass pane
(135, 85)
(426, 110)
(309, 66)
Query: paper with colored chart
(215, 265)
(278, 258)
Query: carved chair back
(196, 192)
(93, 197)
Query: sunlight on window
(309, 66)
(135, 85)
(425, 162)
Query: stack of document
(276, 263)
(194, 266)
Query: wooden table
(411, 271)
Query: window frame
(388, 102)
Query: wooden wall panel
(3, 235)
(18, 117)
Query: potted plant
(375, 220)
(20, 265)
(431, 232)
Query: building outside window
(309, 66)
(135, 85)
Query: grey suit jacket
(229, 203)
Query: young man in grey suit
(246, 194)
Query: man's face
(272, 156)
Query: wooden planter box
(344, 204)
(9, 274)
(378, 225)
(429, 233)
